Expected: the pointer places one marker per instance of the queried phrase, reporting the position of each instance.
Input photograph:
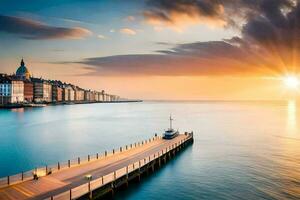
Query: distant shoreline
(34, 105)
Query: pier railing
(49, 169)
(91, 185)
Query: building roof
(22, 71)
(4, 78)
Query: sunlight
(291, 82)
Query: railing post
(115, 175)
(70, 194)
(78, 160)
(46, 169)
(89, 188)
(69, 163)
(120, 149)
(139, 165)
(58, 166)
(97, 156)
(105, 153)
(126, 147)
(113, 151)
(22, 175)
(88, 158)
(102, 179)
(8, 181)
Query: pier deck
(61, 184)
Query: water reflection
(292, 116)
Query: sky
(157, 49)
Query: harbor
(95, 175)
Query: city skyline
(184, 50)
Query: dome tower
(22, 72)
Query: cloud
(191, 59)
(127, 31)
(268, 45)
(35, 30)
(223, 13)
(181, 13)
(101, 36)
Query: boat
(170, 133)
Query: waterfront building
(65, 93)
(98, 96)
(28, 91)
(79, 94)
(71, 93)
(102, 95)
(87, 95)
(107, 97)
(68, 93)
(57, 90)
(22, 72)
(92, 96)
(57, 93)
(11, 90)
(42, 90)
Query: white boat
(170, 133)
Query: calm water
(242, 150)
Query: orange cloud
(180, 20)
(180, 14)
(127, 31)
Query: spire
(22, 62)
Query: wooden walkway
(63, 181)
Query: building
(57, 93)
(42, 90)
(68, 93)
(87, 95)
(92, 96)
(102, 95)
(79, 93)
(97, 96)
(22, 72)
(11, 90)
(28, 91)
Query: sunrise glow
(291, 82)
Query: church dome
(22, 71)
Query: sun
(291, 82)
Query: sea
(242, 149)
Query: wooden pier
(95, 176)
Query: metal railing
(49, 169)
(91, 185)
